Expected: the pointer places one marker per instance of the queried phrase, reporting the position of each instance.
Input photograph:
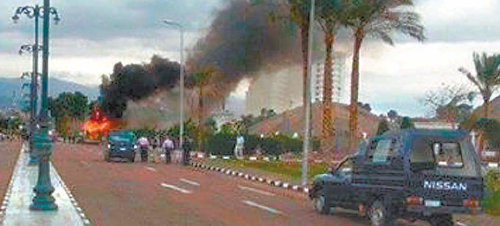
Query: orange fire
(97, 126)
(96, 129)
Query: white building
(282, 89)
(278, 90)
(338, 77)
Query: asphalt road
(161, 194)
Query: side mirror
(420, 166)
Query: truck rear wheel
(380, 214)
(441, 220)
(320, 203)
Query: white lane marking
(150, 168)
(176, 188)
(255, 190)
(460, 223)
(250, 203)
(190, 182)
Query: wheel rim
(319, 203)
(376, 216)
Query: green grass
(287, 170)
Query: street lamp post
(181, 121)
(308, 96)
(43, 199)
(33, 95)
(35, 12)
(31, 12)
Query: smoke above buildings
(244, 37)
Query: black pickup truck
(412, 174)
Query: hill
(293, 121)
(494, 109)
(10, 88)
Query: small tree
(407, 123)
(450, 103)
(383, 126)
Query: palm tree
(299, 13)
(330, 17)
(487, 78)
(202, 79)
(378, 18)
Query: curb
(15, 173)
(82, 215)
(270, 182)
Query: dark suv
(411, 174)
(120, 144)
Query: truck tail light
(471, 203)
(414, 200)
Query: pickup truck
(413, 174)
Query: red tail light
(414, 200)
(471, 203)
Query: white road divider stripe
(150, 168)
(190, 182)
(255, 190)
(176, 188)
(269, 209)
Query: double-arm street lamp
(42, 143)
(181, 85)
(35, 12)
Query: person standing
(143, 146)
(186, 150)
(238, 148)
(168, 147)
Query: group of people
(166, 148)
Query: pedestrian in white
(238, 148)
(168, 147)
(143, 147)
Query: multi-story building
(278, 90)
(338, 78)
(282, 90)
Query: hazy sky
(95, 34)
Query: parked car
(412, 174)
(120, 144)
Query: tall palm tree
(202, 79)
(298, 14)
(380, 19)
(330, 17)
(487, 78)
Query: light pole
(181, 121)
(43, 199)
(33, 95)
(308, 96)
(35, 12)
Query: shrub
(492, 199)
(271, 146)
(221, 144)
(251, 143)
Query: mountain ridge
(10, 88)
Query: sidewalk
(15, 207)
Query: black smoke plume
(244, 37)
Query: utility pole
(308, 96)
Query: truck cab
(413, 174)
